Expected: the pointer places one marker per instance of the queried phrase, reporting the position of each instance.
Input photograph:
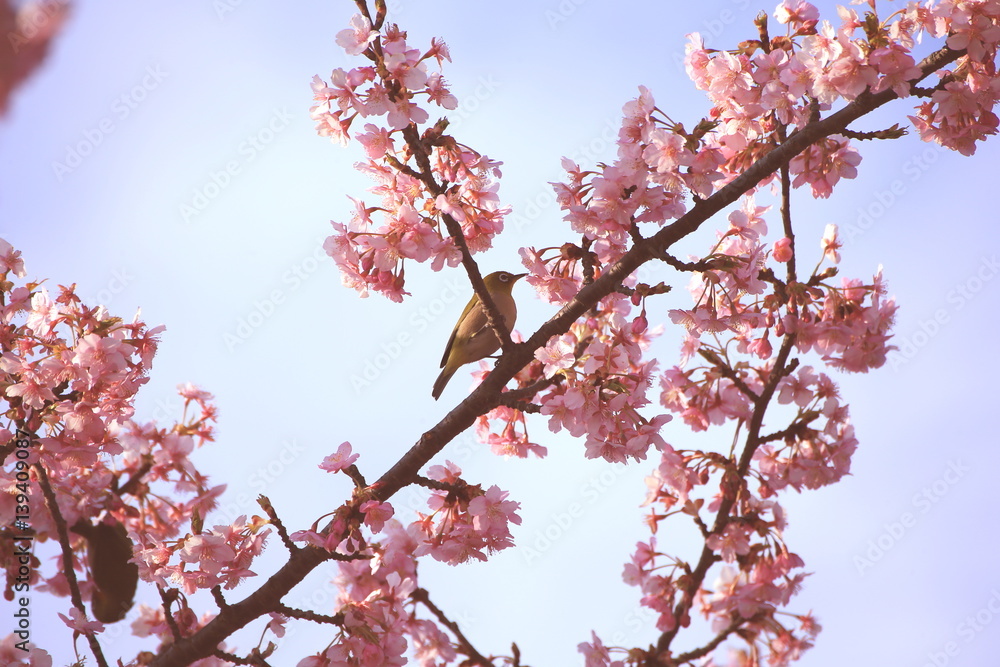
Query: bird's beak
(518, 276)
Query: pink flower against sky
(356, 39)
(339, 460)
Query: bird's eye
(504, 277)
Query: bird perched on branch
(109, 551)
(472, 338)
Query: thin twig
(701, 265)
(272, 515)
(464, 645)
(306, 615)
(133, 482)
(356, 476)
(702, 651)
(253, 659)
(894, 132)
(220, 600)
(433, 484)
(786, 207)
(167, 599)
(719, 365)
(67, 556)
(794, 430)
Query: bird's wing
(451, 339)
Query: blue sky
(202, 194)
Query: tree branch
(708, 557)
(476, 659)
(67, 556)
(426, 176)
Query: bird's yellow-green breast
(472, 338)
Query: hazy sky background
(163, 97)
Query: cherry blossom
(340, 460)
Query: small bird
(472, 338)
(109, 550)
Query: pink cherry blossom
(10, 260)
(356, 39)
(342, 459)
(732, 542)
(831, 244)
(77, 620)
(376, 514)
(782, 250)
(796, 12)
(13, 655)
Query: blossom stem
(67, 555)
(476, 659)
(730, 492)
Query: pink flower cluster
(374, 598)
(151, 622)
(658, 164)
(217, 557)
(739, 304)
(762, 580)
(465, 522)
(810, 457)
(960, 111)
(370, 255)
(13, 656)
(601, 392)
(755, 595)
(848, 324)
(68, 377)
(376, 604)
(505, 429)
(510, 439)
(819, 62)
(72, 368)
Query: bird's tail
(441, 381)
